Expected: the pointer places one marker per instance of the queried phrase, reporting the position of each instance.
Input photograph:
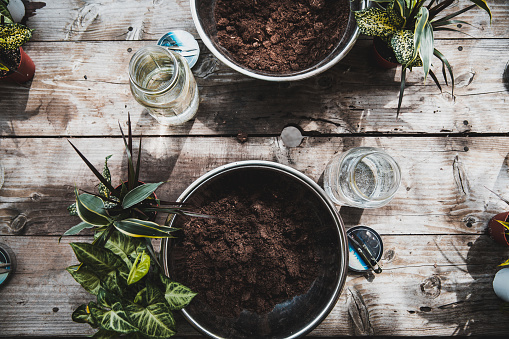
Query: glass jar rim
(137, 55)
(395, 168)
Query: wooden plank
(443, 190)
(75, 20)
(90, 86)
(431, 285)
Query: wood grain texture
(75, 20)
(443, 190)
(87, 82)
(437, 285)
(438, 261)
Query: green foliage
(137, 301)
(5, 15)
(120, 266)
(127, 208)
(13, 36)
(408, 28)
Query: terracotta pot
(24, 72)
(497, 230)
(381, 60)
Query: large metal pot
(203, 16)
(294, 317)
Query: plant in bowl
(15, 64)
(407, 29)
(120, 266)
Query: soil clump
(280, 36)
(260, 251)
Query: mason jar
(162, 81)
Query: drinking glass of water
(162, 81)
(364, 177)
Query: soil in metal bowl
(259, 252)
(280, 36)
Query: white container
(501, 284)
(17, 10)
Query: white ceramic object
(17, 10)
(501, 284)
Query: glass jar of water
(364, 177)
(162, 81)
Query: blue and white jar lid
(8, 259)
(183, 43)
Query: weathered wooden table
(438, 261)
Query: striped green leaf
(86, 278)
(90, 209)
(484, 5)
(82, 315)
(124, 246)
(142, 228)
(139, 269)
(139, 194)
(445, 64)
(78, 228)
(103, 260)
(155, 320)
(114, 319)
(423, 40)
(177, 295)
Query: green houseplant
(120, 266)
(407, 27)
(15, 64)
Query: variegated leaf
(177, 295)
(87, 278)
(91, 209)
(155, 320)
(103, 260)
(124, 246)
(143, 228)
(139, 194)
(376, 22)
(139, 269)
(114, 319)
(402, 44)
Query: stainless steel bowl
(292, 318)
(203, 17)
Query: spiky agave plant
(407, 27)
(120, 267)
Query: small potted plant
(15, 64)
(498, 226)
(405, 28)
(120, 266)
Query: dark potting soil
(10, 58)
(258, 253)
(280, 36)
